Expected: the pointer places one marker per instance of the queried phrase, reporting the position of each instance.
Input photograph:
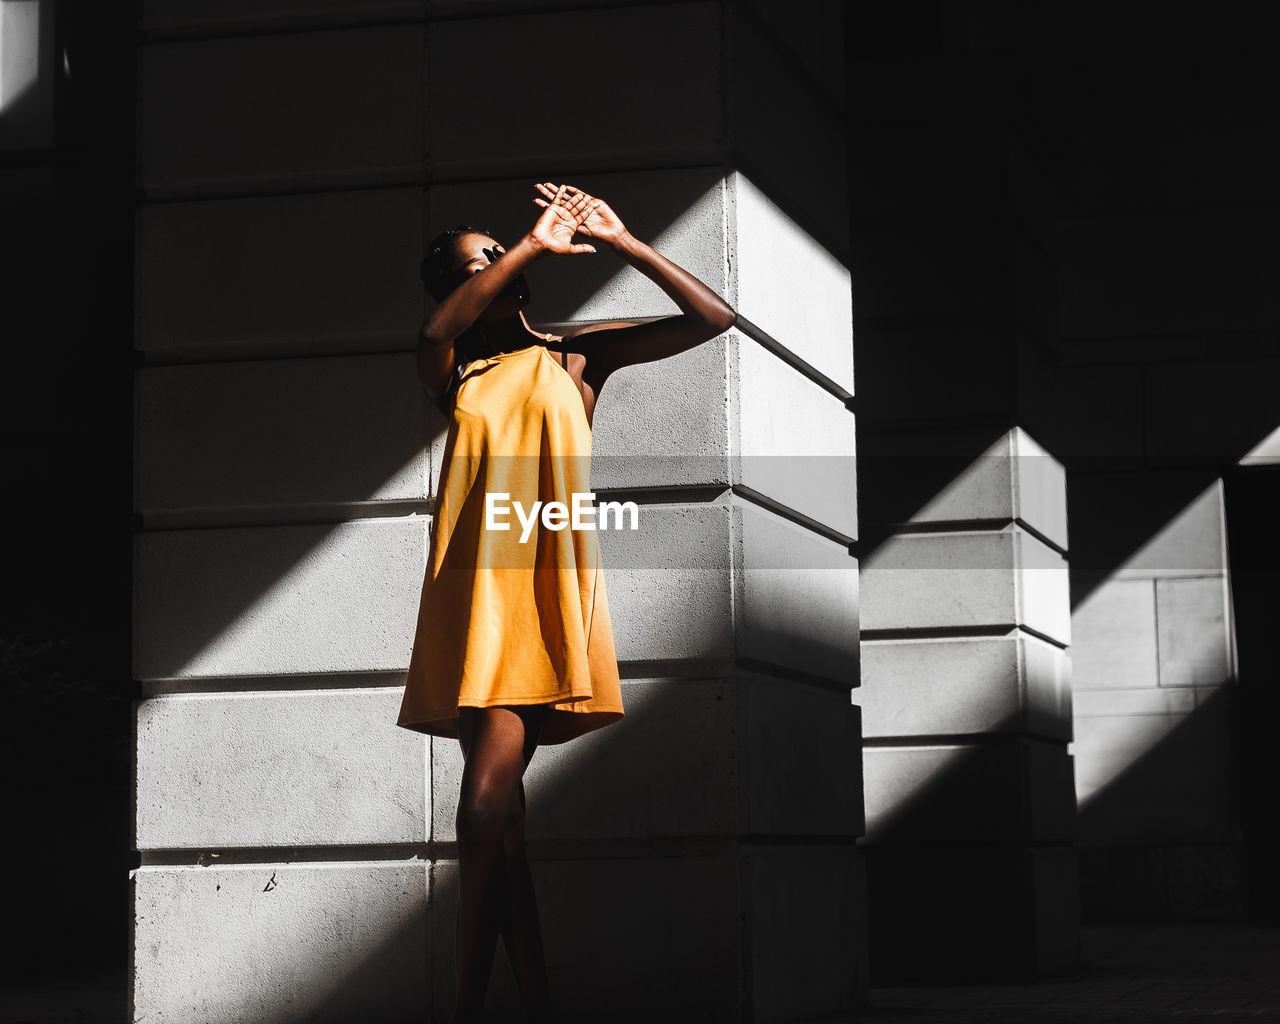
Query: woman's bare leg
(521, 929)
(495, 894)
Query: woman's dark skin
(496, 892)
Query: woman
(514, 643)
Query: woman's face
(472, 253)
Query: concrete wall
(297, 849)
(1065, 230)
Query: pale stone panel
(1114, 631)
(1191, 541)
(280, 943)
(1193, 642)
(281, 274)
(277, 600)
(798, 593)
(1020, 790)
(789, 286)
(665, 423)
(280, 432)
(1148, 778)
(965, 685)
(1013, 477)
(796, 441)
(966, 579)
(297, 768)
(1099, 703)
(307, 109)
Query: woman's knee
(483, 814)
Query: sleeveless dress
(501, 619)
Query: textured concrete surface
(277, 600)
(280, 943)
(966, 579)
(1010, 684)
(289, 432)
(326, 270)
(303, 767)
(308, 109)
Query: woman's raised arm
(704, 314)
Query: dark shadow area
(66, 277)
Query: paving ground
(1187, 974)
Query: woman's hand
(561, 219)
(600, 222)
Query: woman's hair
(438, 274)
(439, 277)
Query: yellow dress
(506, 620)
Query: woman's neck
(509, 335)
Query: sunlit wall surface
(298, 854)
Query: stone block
(666, 423)
(295, 432)
(1146, 778)
(614, 121)
(1114, 637)
(798, 598)
(773, 757)
(280, 943)
(325, 271)
(277, 600)
(607, 926)
(1172, 525)
(966, 578)
(795, 441)
(807, 942)
(1010, 791)
(789, 285)
(1147, 701)
(307, 109)
(1193, 637)
(784, 130)
(949, 915)
(297, 768)
(1013, 684)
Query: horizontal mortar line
(457, 172)
(325, 514)
(942, 846)
(1000, 630)
(218, 353)
(676, 669)
(758, 334)
(795, 675)
(762, 500)
(286, 24)
(993, 738)
(273, 856)
(244, 685)
(274, 25)
(283, 185)
(335, 513)
(942, 527)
